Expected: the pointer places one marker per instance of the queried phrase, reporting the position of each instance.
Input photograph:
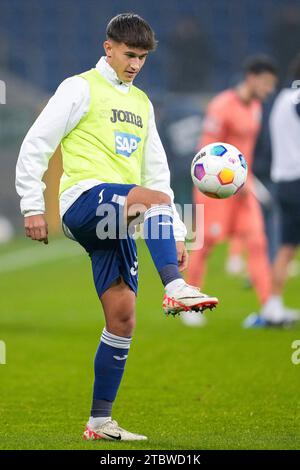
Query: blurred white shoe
(291, 314)
(293, 269)
(275, 312)
(255, 320)
(194, 319)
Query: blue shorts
(97, 212)
(288, 194)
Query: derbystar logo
(126, 144)
(126, 116)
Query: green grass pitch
(218, 387)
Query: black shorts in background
(288, 196)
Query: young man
(285, 172)
(233, 116)
(112, 155)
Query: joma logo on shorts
(126, 116)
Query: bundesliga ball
(219, 170)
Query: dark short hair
(260, 64)
(132, 30)
(294, 68)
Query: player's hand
(36, 228)
(182, 256)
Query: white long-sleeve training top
(62, 114)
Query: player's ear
(107, 47)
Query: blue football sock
(159, 237)
(109, 367)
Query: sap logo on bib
(126, 144)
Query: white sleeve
(61, 114)
(156, 173)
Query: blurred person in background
(234, 116)
(285, 172)
(264, 191)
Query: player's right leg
(118, 303)
(158, 233)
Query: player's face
(262, 85)
(126, 61)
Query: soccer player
(285, 172)
(234, 116)
(113, 162)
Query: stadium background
(219, 387)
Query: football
(219, 170)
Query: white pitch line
(26, 257)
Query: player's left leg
(118, 303)
(115, 275)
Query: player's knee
(127, 325)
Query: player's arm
(156, 175)
(62, 113)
